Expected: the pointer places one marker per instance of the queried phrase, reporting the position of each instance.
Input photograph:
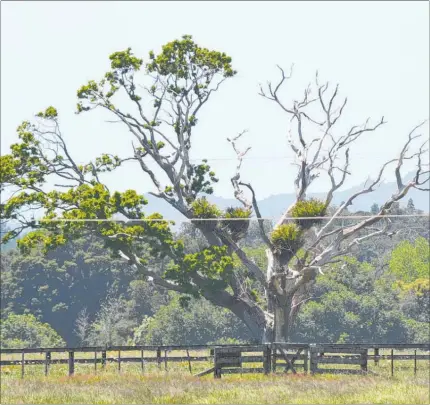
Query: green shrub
(24, 331)
(202, 208)
(308, 209)
(237, 228)
(287, 237)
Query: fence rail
(227, 359)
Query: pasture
(172, 383)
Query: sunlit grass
(161, 387)
(155, 385)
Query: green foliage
(214, 262)
(56, 286)
(202, 179)
(237, 228)
(202, 208)
(287, 237)
(24, 331)
(201, 323)
(49, 113)
(124, 60)
(25, 165)
(181, 60)
(186, 60)
(410, 262)
(308, 209)
(354, 305)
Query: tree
(409, 263)
(352, 304)
(411, 206)
(374, 209)
(199, 323)
(113, 323)
(82, 327)
(182, 79)
(23, 331)
(56, 286)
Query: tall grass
(155, 385)
(179, 387)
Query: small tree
(112, 324)
(374, 209)
(24, 331)
(182, 79)
(82, 327)
(411, 206)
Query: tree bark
(282, 323)
(255, 319)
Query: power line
(234, 219)
(286, 158)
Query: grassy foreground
(172, 388)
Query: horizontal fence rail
(395, 346)
(226, 359)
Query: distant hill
(275, 205)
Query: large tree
(164, 112)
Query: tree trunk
(282, 327)
(255, 319)
(252, 315)
(283, 319)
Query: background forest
(80, 295)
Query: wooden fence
(228, 359)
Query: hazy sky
(377, 51)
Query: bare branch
(258, 214)
(238, 192)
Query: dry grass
(179, 388)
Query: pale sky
(377, 51)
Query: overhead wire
(224, 219)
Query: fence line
(397, 346)
(229, 359)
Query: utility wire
(235, 219)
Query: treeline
(80, 295)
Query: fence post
(217, 370)
(71, 363)
(415, 362)
(376, 359)
(267, 358)
(142, 363)
(22, 364)
(274, 354)
(189, 362)
(313, 358)
(119, 361)
(165, 360)
(159, 357)
(47, 360)
(392, 362)
(363, 363)
(305, 360)
(103, 359)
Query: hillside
(274, 205)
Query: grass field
(168, 388)
(177, 386)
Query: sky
(376, 51)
